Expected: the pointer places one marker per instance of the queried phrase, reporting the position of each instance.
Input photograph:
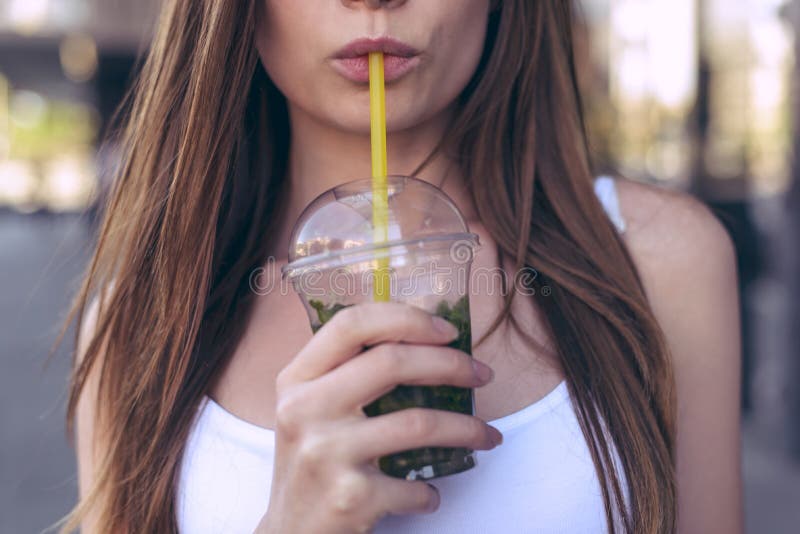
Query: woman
(616, 384)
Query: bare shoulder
(686, 260)
(669, 230)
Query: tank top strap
(606, 190)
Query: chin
(359, 124)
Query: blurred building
(64, 65)
(699, 95)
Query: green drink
(333, 263)
(418, 462)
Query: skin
(684, 256)
(330, 114)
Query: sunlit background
(697, 95)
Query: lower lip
(356, 69)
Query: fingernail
(445, 327)
(484, 373)
(497, 437)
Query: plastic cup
(335, 260)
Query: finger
(414, 428)
(362, 325)
(378, 370)
(396, 496)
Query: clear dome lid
(337, 227)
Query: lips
(387, 45)
(352, 61)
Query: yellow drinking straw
(380, 200)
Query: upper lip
(387, 45)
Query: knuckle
(350, 493)
(408, 320)
(314, 450)
(282, 381)
(288, 419)
(420, 422)
(455, 364)
(348, 318)
(390, 357)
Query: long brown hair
(189, 218)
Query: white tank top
(540, 480)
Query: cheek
(283, 50)
(459, 46)
(294, 38)
(458, 43)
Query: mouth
(352, 61)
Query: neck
(323, 156)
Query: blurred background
(698, 95)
